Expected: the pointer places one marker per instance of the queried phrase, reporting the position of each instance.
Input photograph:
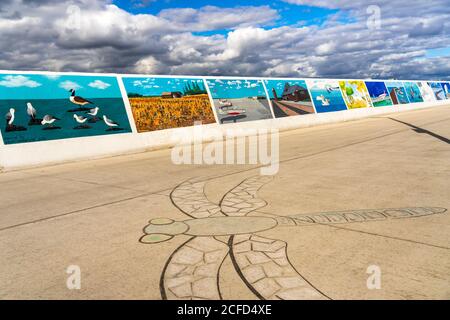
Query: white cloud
(18, 81)
(67, 85)
(52, 76)
(216, 18)
(98, 84)
(110, 39)
(326, 48)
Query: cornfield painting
(164, 103)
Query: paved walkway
(92, 214)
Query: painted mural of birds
(93, 113)
(79, 101)
(80, 119)
(10, 117)
(113, 126)
(31, 111)
(81, 122)
(48, 122)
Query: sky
(394, 84)
(29, 86)
(279, 85)
(156, 86)
(235, 88)
(386, 39)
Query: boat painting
(378, 94)
(438, 90)
(326, 95)
(426, 91)
(239, 100)
(413, 92)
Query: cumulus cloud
(11, 81)
(68, 85)
(99, 84)
(97, 36)
(214, 18)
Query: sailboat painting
(326, 95)
(426, 91)
(438, 90)
(413, 92)
(446, 87)
(378, 94)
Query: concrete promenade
(92, 214)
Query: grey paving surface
(92, 214)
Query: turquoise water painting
(326, 95)
(438, 90)
(446, 87)
(413, 92)
(397, 92)
(50, 107)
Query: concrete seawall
(13, 156)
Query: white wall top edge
(135, 75)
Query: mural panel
(378, 94)
(326, 95)
(426, 91)
(355, 94)
(239, 100)
(165, 103)
(397, 92)
(289, 97)
(48, 107)
(413, 92)
(446, 87)
(437, 90)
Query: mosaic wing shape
(192, 271)
(263, 265)
(189, 197)
(243, 199)
(359, 215)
